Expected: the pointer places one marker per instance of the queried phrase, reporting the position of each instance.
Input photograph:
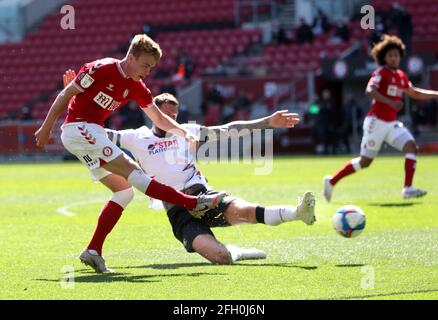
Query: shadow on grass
(125, 277)
(169, 266)
(353, 265)
(282, 265)
(385, 294)
(207, 264)
(400, 204)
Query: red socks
(160, 191)
(410, 164)
(112, 211)
(345, 171)
(163, 192)
(353, 166)
(108, 218)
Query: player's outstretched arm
(279, 119)
(421, 94)
(42, 135)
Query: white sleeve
(123, 139)
(193, 128)
(375, 79)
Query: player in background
(386, 88)
(100, 88)
(167, 157)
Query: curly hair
(384, 45)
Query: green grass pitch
(396, 257)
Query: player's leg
(401, 139)
(241, 211)
(234, 211)
(90, 143)
(349, 168)
(410, 151)
(374, 133)
(211, 249)
(127, 168)
(122, 194)
(196, 235)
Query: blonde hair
(142, 44)
(166, 98)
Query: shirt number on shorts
(87, 159)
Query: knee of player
(127, 167)
(124, 197)
(129, 194)
(412, 148)
(240, 212)
(221, 257)
(365, 163)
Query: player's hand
(42, 137)
(192, 140)
(283, 119)
(68, 77)
(397, 105)
(197, 215)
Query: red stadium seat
(213, 115)
(103, 26)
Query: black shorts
(186, 228)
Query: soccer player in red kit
(100, 88)
(386, 88)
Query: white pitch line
(65, 209)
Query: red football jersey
(104, 88)
(390, 84)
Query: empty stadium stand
(30, 71)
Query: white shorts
(90, 144)
(376, 131)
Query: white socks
(139, 180)
(244, 254)
(411, 156)
(274, 215)
(355, 163)
(123, 198)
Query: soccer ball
(349, 221)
